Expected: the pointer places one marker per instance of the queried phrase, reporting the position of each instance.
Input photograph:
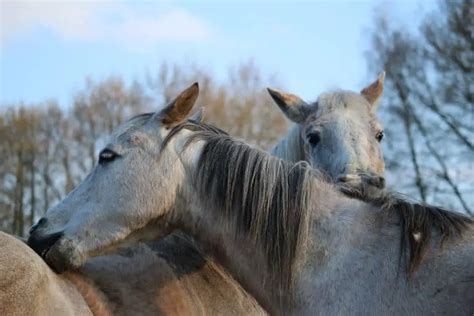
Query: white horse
(291, 239)
(339, 135)
(171, 276)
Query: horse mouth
(358, 179)
(43, 245)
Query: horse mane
(262, 196)
(290, 146)
(267, 198)
(418, 223)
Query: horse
(290, 238)
(169, 277)
(339, 135)
(29, 287)
(98, 283)
(172, 276)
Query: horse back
(29, 287)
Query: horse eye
(107, 155)
(379, 136)
(314, 138)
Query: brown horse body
(29, 287)
(170, 277)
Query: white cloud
(68, 20)
(103, 21)
(175, 25)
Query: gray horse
(290, 238)
(339, 135)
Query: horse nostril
(41, 222)
(33, 228)
(42, 244)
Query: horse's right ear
(291, 105)
(374, 91)
(180, 108)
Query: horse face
(340, 132)
(342, 137)
(133, 185)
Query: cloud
(75, 21)
(177, 25)
(103, 21)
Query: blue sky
(47, 49)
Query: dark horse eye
(313, 138)
(379, 136)
(107, 155)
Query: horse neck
(234, 246)
(234, 252)
(290, 147)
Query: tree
(47, 150)
(239, 104)
(430, 99)
(18, 169)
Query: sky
(47, 49)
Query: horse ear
(292, 106)
(373, 92)
(179, 109)
(198, 115)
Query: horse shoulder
(208, 287)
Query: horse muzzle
(47, 247)
(42, 244)
(363, 178)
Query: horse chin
(63, 256)
(364, 186)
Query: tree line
(47, 150)
(427, 110)
(429, 103)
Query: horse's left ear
(374, 91)
(291, 105)
(180, 108)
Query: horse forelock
(331, 103)
(341, 99)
